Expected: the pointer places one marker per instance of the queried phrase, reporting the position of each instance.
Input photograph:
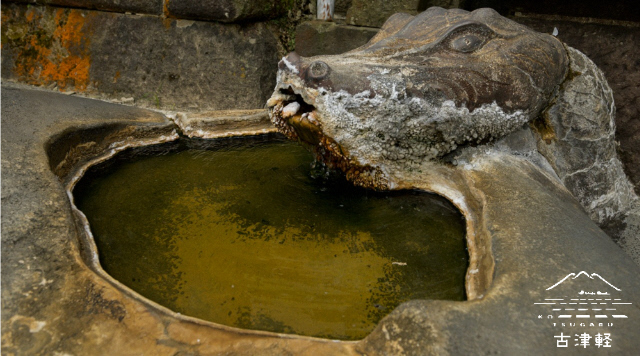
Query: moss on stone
(285, 26)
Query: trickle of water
(248, 233)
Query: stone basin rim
(89, 250)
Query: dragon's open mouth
(298, 120)
(294, 117)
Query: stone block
(161, 63)
(373, 13)
(614, 49)
(133, 6)
(224, 123)
(320, 37)
(342, 6)
(227, 10)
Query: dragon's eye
(466, 43)
(318, 69)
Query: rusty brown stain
(328, 12)
(167, 14)
(62, 56)
(325, 12)
(115, 78)
(165, 8)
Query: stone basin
(525, 234)
(250, 232)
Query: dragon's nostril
(290, 63)
(318, 69)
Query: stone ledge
(153, 7)
(613, 10)
(225, 123)
(227, 10)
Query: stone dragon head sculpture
(423, 86)
(429, 86)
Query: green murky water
(244, 232)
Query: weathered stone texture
(321, 37)
(582, 149)
(385, 104)
(227, 10)
(53, 303)
(213, 124)
(615, 50)
(170, 64)
(134, 6)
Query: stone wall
(218, 10)
(173, 55)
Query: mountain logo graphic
(584, 300)
(583, 273)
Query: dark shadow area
(615, 10)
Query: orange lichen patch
(4, 16)
(72, 68)
(30, 16)
(54, 47)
